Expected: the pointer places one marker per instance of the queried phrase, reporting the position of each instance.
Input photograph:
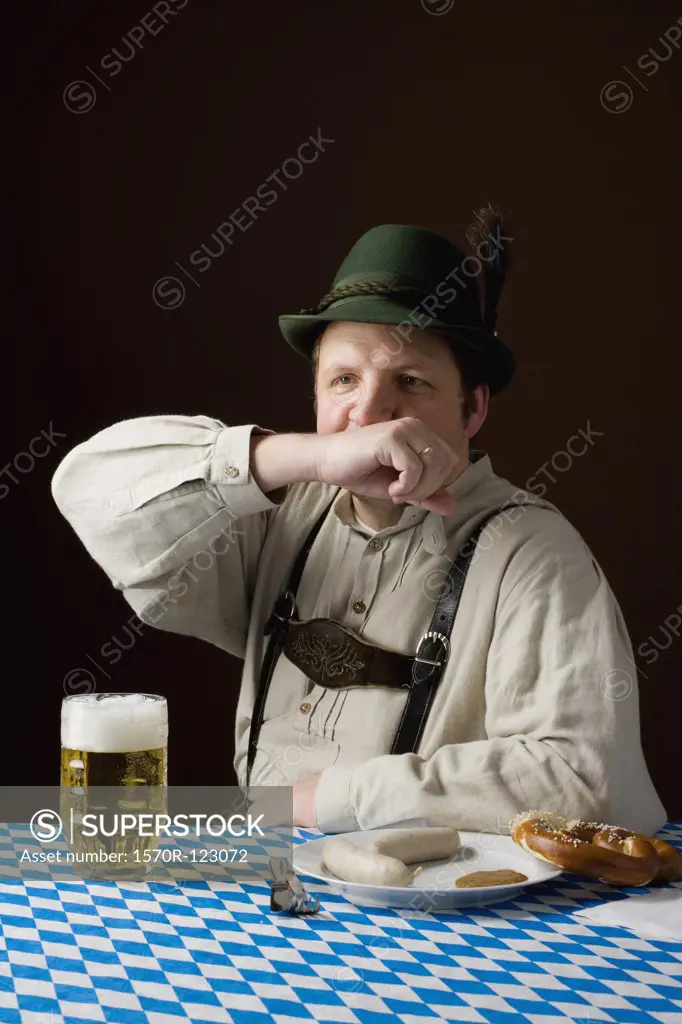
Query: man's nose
(375, 403)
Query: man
(410, 651)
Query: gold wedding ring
(425, 451)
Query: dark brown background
(431, 115)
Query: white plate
(434, 889)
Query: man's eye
(345, 379)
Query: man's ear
(477, 418)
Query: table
(150, 954)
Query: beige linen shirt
(524, 716)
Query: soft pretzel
(606, 852)
(670, 858)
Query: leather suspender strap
(435, 645)
(276, 628)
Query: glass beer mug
(114, 761)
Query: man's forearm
(278, 460)
(476, 786)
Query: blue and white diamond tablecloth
(151, 954)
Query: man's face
(368, 373)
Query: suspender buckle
(283, 612)
(430, 638)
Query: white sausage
(354, 864)
(418, 844)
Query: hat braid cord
(346, 291)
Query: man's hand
(381, 461)
(304, 802)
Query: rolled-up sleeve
(169, 508)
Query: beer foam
(114, 723)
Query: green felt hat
(397, 274)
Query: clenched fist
(381, 461)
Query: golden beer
(120, 768)
(114, 761)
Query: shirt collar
(433, 529)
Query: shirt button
(359, 607)
(231, 471)
(376, 544)
(305, 707)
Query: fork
(287, 892)
(305, 902)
